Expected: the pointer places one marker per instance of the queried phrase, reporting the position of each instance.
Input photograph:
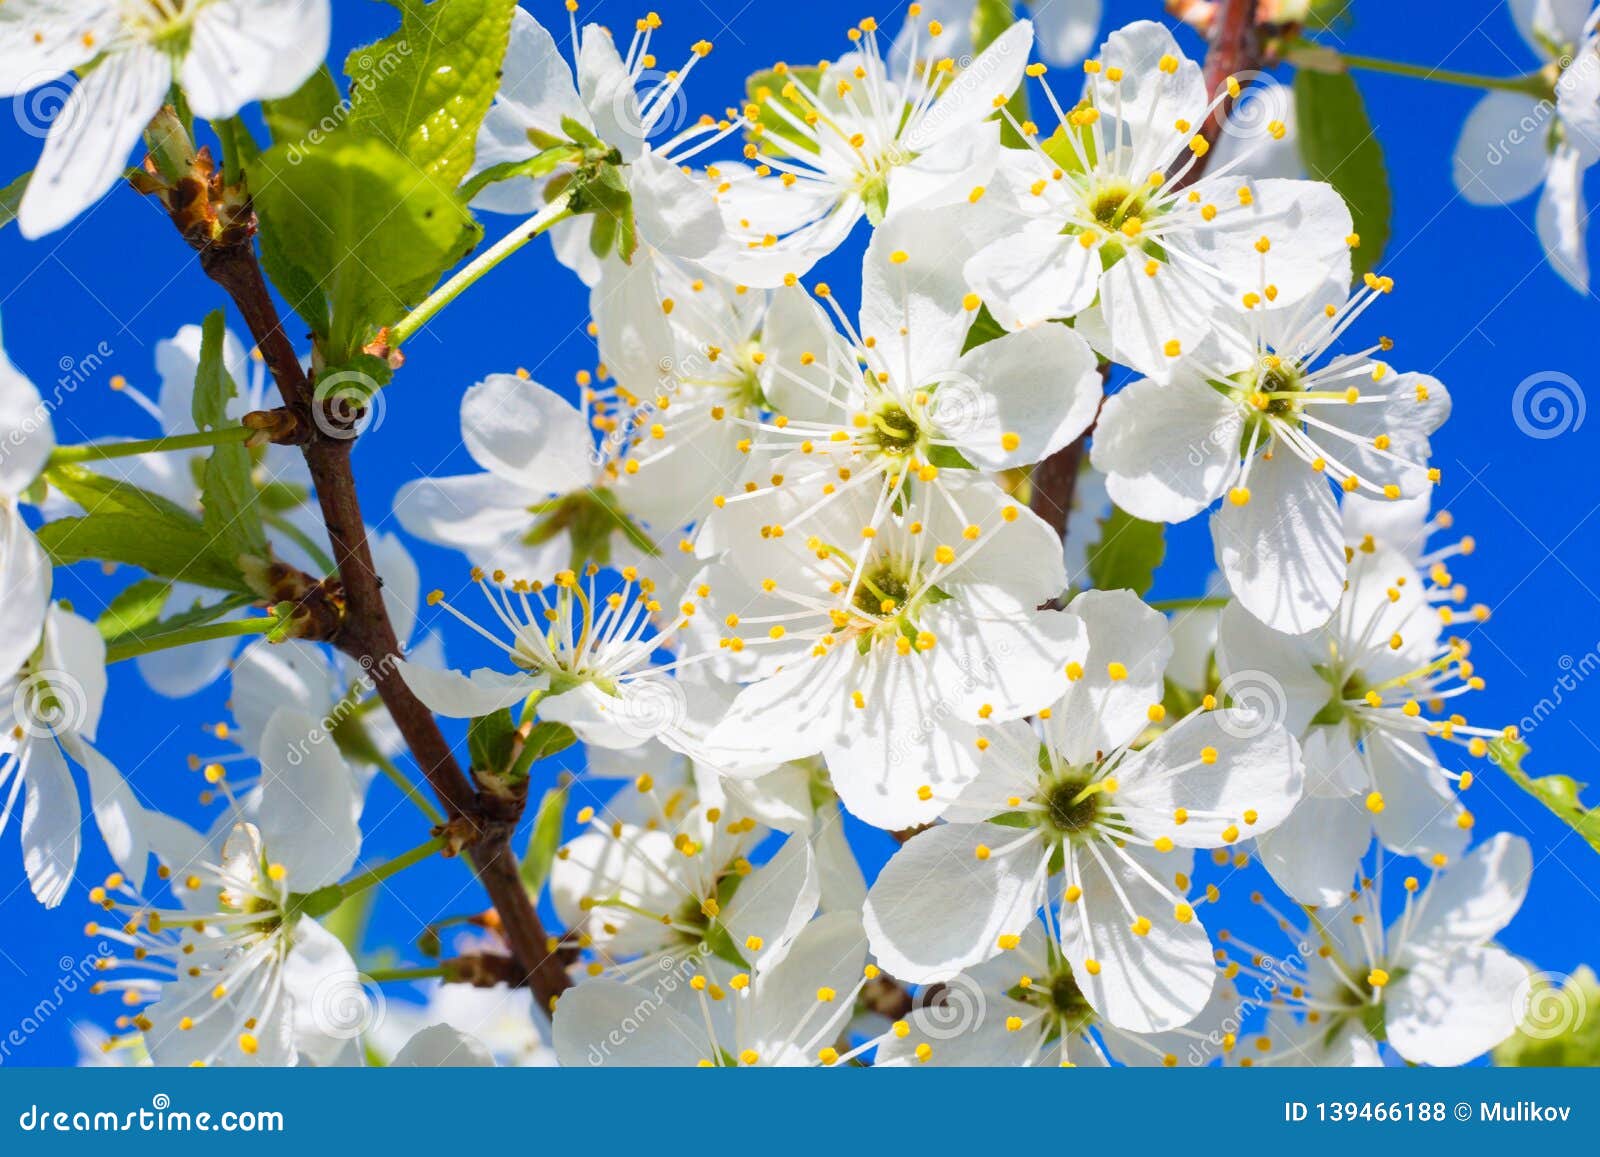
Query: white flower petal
(1315, 853)
(970, 98)
(1562, 219)
(1446, 1012)
(1283, 550)
(1100, 712)
(441, 1047)
(1500, 155)
(50, 818)
(1168, 451)
(1472, 901)
(526, 434)
(937, 908)
(1146, 983)
(29, 434)
(1033, 275)
(674, 211)
(247, 50)
(309, 808)
(775, 902)
(784, 1028)
(1255, 771)
(458, 696)
(603, 1023)
(91, 137)
(1419, 808)
(25, 581)
(44, 39)
(608, 92)
(1041, 386)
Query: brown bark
(482, 823)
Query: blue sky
(1474, 305)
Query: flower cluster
(791, 554)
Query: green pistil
(1071, 807)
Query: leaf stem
(1209, 602)
(105, 451)
(233, 628)
(400, 863)
(558, 210)
(1320, 57)
(388, 975)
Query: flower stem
(1208, 603)
(400, 863)
(387, 975)
(233, 628)
(408, 789)
(105, 451)
(558, 210)
(1320, 57)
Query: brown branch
(219, 225)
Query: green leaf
(1128, 553)
(425, 90)
(227, 492)
(98, 494)
(197, 615)
(492, 742)
(214, 387)
(11, 199)
(541, 164)
(1058, 147)
(310, 111)
(134, 608)
(984, 329)
(544, 839)
(545, 739)
(1338, 146)
(989, 19)
(1560, 793)
(1561, 1027)
(137, 528)
(364, 227)
(182, 551)
(765, 92)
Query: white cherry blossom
(223, 53)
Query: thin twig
(367, 635)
